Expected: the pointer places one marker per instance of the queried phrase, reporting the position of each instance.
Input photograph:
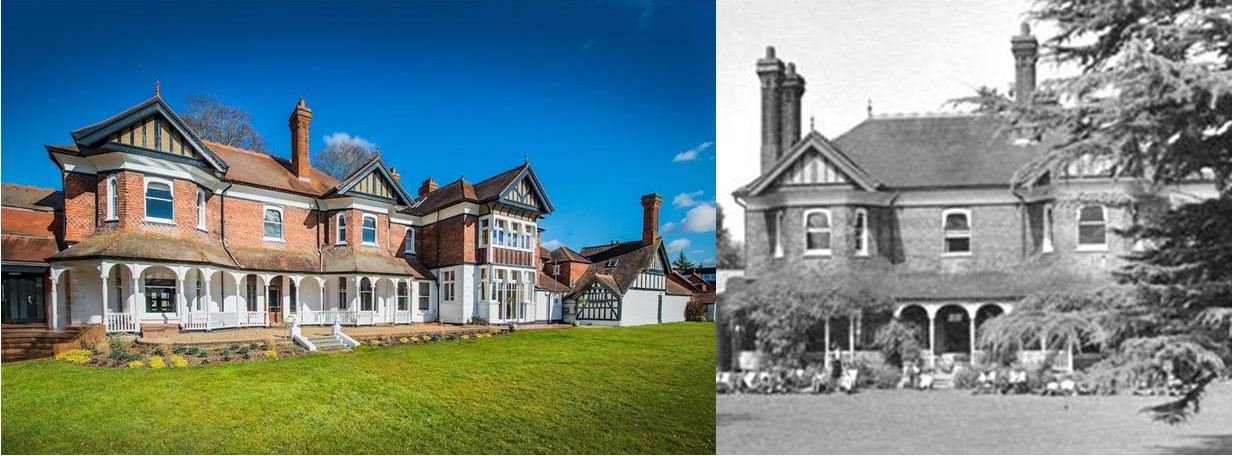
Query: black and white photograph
(973, 227)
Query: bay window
(1092, 220)
(159, 204)
(369, 230)
(817, 232)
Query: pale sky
(906, 56)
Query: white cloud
(678, 245)
(708, 262)
(696, 251)
(667, 227)
(692, 154)
(341, 137)
(686, 199)
(551, 244)
(699, 219)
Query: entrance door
(275, 299)
(23, 299)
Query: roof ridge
(32, 187)
(925, 115)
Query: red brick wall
(79, 206)
(455, 238)
(246, 224)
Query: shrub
(967, 378)
(136, 363)
(877, 374)
(179, 350)
(404, 340)
(102, 347)
(243, 350)
(123, 356)
(464, 337)
(76, 356)
(415, 339)
(156, 362)
(252, 346)
(374, 342)
(897, 341)
(271, 344)
(233, 347)
(178, 361)
(270, 354)
(475, 320)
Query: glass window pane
(957, 222)
(1092, 234)
(819, 220)
(818, 240)
(958, 245)
(1091, 214)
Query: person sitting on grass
(1018, 381)
(985, 383)
(723, 383)
(1052, 386)
(749, 382)
(1068, 386)
(910, 373)
(818, 382)
(847, 383)
(925, 381)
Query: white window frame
(113, 198)
(862, 222)
(1104, 216)
(340, 228)
(778, 248)
(282, 224)
(1046, 219)
(485, 230)
(830, 230)
(447, 286)
(408, 247)
(201, 209)
(376, 236)
(145, 199)
(967, 214)
(402, 296)
(421, 297)
(503, 233)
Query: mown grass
(612, 390)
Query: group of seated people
(810, 380)
(1015, 381)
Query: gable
(812, 168)
(154, 133)
(657, 264)
(525, 192)
(522, 193)
(374, 185)
(149, 127)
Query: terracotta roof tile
(144, 245)
(28, 197)
(267, 171)
(563, 253)
(631, 259)
(543, 282)
(28, 249)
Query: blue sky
(608, 100)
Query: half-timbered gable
(373, 181)
(149, 128)
(598, 302)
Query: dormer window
(159, 204)
(272, 224)
(112, 198)
(612, 263)
(957, 232)
(817, 232)
(340, 234)
(369, 230)
(1092, 221)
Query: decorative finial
(869, 107)
(157, 88)
(526, 158)
(811, 128)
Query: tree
(214, 121)
(728, 252)
(343, 155)
(897, 341)
(1153, 99)
(682, 263)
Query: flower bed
(123, 352)
(419, 339)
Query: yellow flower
(404, 340)
(178, 361)
(136, 364)
(415, 339)
(76, 356)
(156, 362)
(465, 337)
(270, 354)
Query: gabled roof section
(491, 189)
(33, 198)
(627, 260)
(105, 133)
(518, 187)
(564, 253)
(831, 154)
(449, 194)
(373, 180)
(267, 171)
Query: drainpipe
(317, 210)
(222, 222)
(1023, 216)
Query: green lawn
(580, 390)
(956, 422)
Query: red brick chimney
(793, 90)
(428, 186)
(770, 72)
(650, 217)
(300, 118)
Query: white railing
(402, 317)
(344, 317)
(121, 322)
(194, 321)
(253, 318)
(365, 317)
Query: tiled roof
(264, 170)
(544, 254)
(460, 190)
(563, 253)
(943, 150)
(674, 288)
(543, 282)
(632, 258)
(35, 198)
(598, 253)
(145, 245)
(28, 249)
(490, 188)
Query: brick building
(161, 230)
(925, 203)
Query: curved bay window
(861, 233)
(158, 201)
(366, 294)
(160, 291)
(598, 303)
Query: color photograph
(208, 245)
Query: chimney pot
(428, 186)
(771, 73)
(1025, 48)
(650, 217)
